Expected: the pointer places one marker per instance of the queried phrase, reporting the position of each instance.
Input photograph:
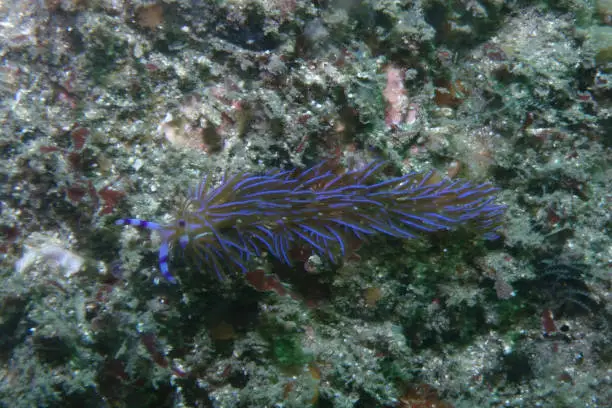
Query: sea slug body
(247, 215)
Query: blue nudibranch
(247, 214)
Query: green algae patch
(601, 39)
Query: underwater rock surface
(115, 109)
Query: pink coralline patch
(182, 133)
(78, 186)
(548, 322)
(412, 114)
(264, 282)
(396, 97)
(207, 122)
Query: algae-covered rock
(604, 9)
(601, 42)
